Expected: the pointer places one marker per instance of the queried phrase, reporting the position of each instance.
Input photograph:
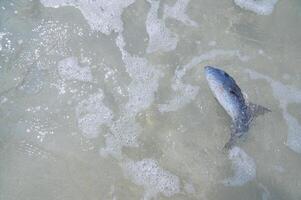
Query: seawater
(108, 100)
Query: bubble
(178, 12)
(123, 133)
(160, 37)
(125, 130)
(91, 113)
(285, 95)
(33, 81)
(1, 37)
(69, 69)
(243, 166)
(262, 7)
(103, 16)
(152, 177)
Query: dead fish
(229, 95)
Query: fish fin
(228, 146)
(233, 138)
(235, 135)
(257, 110)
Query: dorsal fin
(257, 110)
(230, 143)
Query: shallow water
(108, 99)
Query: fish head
(225, 90)
(219, 78)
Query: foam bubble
(145, 82)
(1, 37)
(185, 93)
(160, 37)
(285, 95)
(189, 187)
(91, 113)
(261, 7)
(152, 177)
(177, 11)
(34, 151)
(212, 43)
(38, 127)
(244, 168)
(103, 16)
(294, 129)
(69, 69)
(123, 133)
(265, 192)
(53, 39)
(33, 81)
(7, 46)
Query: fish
(231, 98)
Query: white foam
(178, 12)
(189, 188)
(3, 99)
(123, 133)
(261, 7)
(40, 128)
(53, 39)
(33, 81)
(244, 168)
(145, 82)
(285, 95)
(101, 15)
(185, 93)
(91, 113)
(266, 195)
(160, 37)
(69, 69)
(145, 79)
(153, 178)
(212, 43)
(279, 168)
(6, 44)
(294, 132)
(1, 37)
(34, 151)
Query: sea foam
(261, 7)
(1, 37)
(103, 16)
(141, 92)
(160, 37)
(69, 69)
(285, 95)
(178, 12)
(91, 113)
(152, 177)
(244, 168)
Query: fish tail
(228, 146)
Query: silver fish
(229, 95)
